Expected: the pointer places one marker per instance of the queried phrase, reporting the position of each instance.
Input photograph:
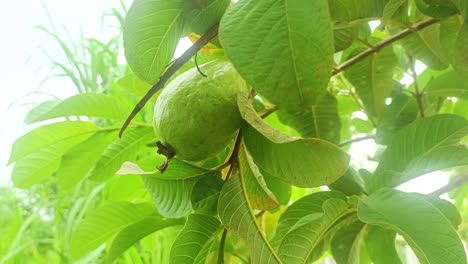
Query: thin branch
(178, 63)
(356, 140)
(221, 247)
(459, 182)
(418, 94)
(268, 112)
(379, 46)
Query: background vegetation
(69, 204)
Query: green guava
(195, 117)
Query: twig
(233, 159)
(268, 112)
(221, 247)
(418, 94)
(356, 140)
(459, 182)
(178, 63)
(379, 46)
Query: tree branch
(418, 94)
(459, 182)
(175, 66)
(379, 46)
(221, 247)
(356, 140)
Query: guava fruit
(195, 117)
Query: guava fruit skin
(197, 116)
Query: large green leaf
(401, 112)
(172, 190)
(351, 183)
(445, 207)
(205, 194)
(80, 159)
(460, 62)
(429, 233)
(121, 150)
(372, 79)
(349, 10)
(60, 135)
(449, 84)
(390, 9)
(194, 241)
(35, 168)
(37, 154)
(306, 235)
(306, 206)
(425, 45)
(203, 14)
(346, 243)
(319, 120)
(301, 162)
(237, 216)
(260, 196)
(426, 145)
(86, 104)
(436, 8)
(104, 222)
(40, 109)
(151, 32)
(380, 244)
(135, 231)
(284, 49)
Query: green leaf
(80, 159)
(121, 150)
(135, 231)
(260, 197)
(428, 232)
(424, 146)
(286, 53)
(362, 126)
(205, 194)
(194, 241)
(35, 168)
(461, 49)
(425, 45)
(390, 9)
(304, 238)
(172, 190)
(436, 8)
(306, 206)
(319, 120)
(201, 15)
(401, 112)
(350, 10)
(58, 135)
(445, 207)
(380, 244)
(39, 110)
(280, 189)
(346, 243)
(151, 32)
(351, 183)
(37, 154)
(236, 215)
(449, 84)
(86, 104)
(106, 221)
(372, 79)
(308, 163)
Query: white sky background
(23, 66)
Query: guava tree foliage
(256, 114)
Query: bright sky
(23, 66)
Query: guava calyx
(168, 152)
